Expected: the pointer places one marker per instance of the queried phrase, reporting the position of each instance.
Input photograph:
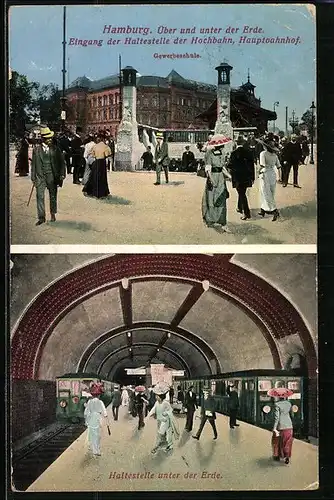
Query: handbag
(201, 171)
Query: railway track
(30, 462)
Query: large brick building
(170, 102)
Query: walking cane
(108, 430)
(32, 189)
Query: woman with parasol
(94, 412)
(283, 428)
(167, 429)
(214, 209)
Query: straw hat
(159, 135)
(46, 133)
(161, 388)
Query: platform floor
(241, 457)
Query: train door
(296, 400)
(265, 404)
(247, 400)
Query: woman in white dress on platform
(269, 163)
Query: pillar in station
(129, 148)
(223, 124)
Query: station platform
(240, 459)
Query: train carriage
(256, 407)
(73, 390)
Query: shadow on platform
(249, 230)
(303, 211)
(174, 183)
(115, 200)
(71, 224)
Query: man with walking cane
(48, 170)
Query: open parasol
(280, 392)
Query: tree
(21, 104)
(306, 122)
(48, 101)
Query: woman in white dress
(269, 163)
(95, 412)
(166, 425)
(125, 397)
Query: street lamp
(312, 107)
(294, 121)
(276, 104)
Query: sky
(283, 73)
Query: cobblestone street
(138, 213)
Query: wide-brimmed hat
(140, 388)
(270, 145)
(280, 392)
(96, 390)
(219, 140)
(161, 388)
(46, 133)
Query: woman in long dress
(166, 426)
(97, 184)
(88, 157)
(283, 428)
(214, 202)
(22, 158)
(94, 414)
(269, 163)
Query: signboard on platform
(135, 371)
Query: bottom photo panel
(163, 372)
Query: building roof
(112, 81)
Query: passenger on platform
(147, 157)
(88, 157)
(167, 429)
(269, 163)
(283, 428)
(152, 398)
(214, 201)
(94, 414)
(208, 413)
(141, 402)
(97, 184)
(171, 394)
(188, 160)
(77, 150)
(180, 395)
(233, 405)
(161, 158)
(241, 166)
(190, 403)
(125, 397)
(64, 144)
(47, 172)
(305, 150)
(132, 401)
(116, 399)
(291, 156)
(22, 157)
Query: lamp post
(276, 104)
(63, 98)
(294, 121)
(312, 133)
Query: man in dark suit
(161, 158)
(291, 156)
(48, 171)
(190, 403)
(77, 151)
(116, 399)
(241, 166)
(208, 413)
(188, 160)
(233, 405)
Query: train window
(293, 385)
(213, 387)
(75, 387)
(251, 386)
(296, 395)
(264, 385)
(63, 394)
(279, 383)
(265, 397)
(64, 384)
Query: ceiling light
(125, 283)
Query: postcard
(163, 124)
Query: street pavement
(139, 213)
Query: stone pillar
(223, 124)
(129, 148)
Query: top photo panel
(162, 124)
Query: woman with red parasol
(283, 428)
(94, 412)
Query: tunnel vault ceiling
(199, 313)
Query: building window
(145, 102)
(197, 103)
(155, 102)
(105, 116)
(189, 102)
(105, 100)
(99, 101)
